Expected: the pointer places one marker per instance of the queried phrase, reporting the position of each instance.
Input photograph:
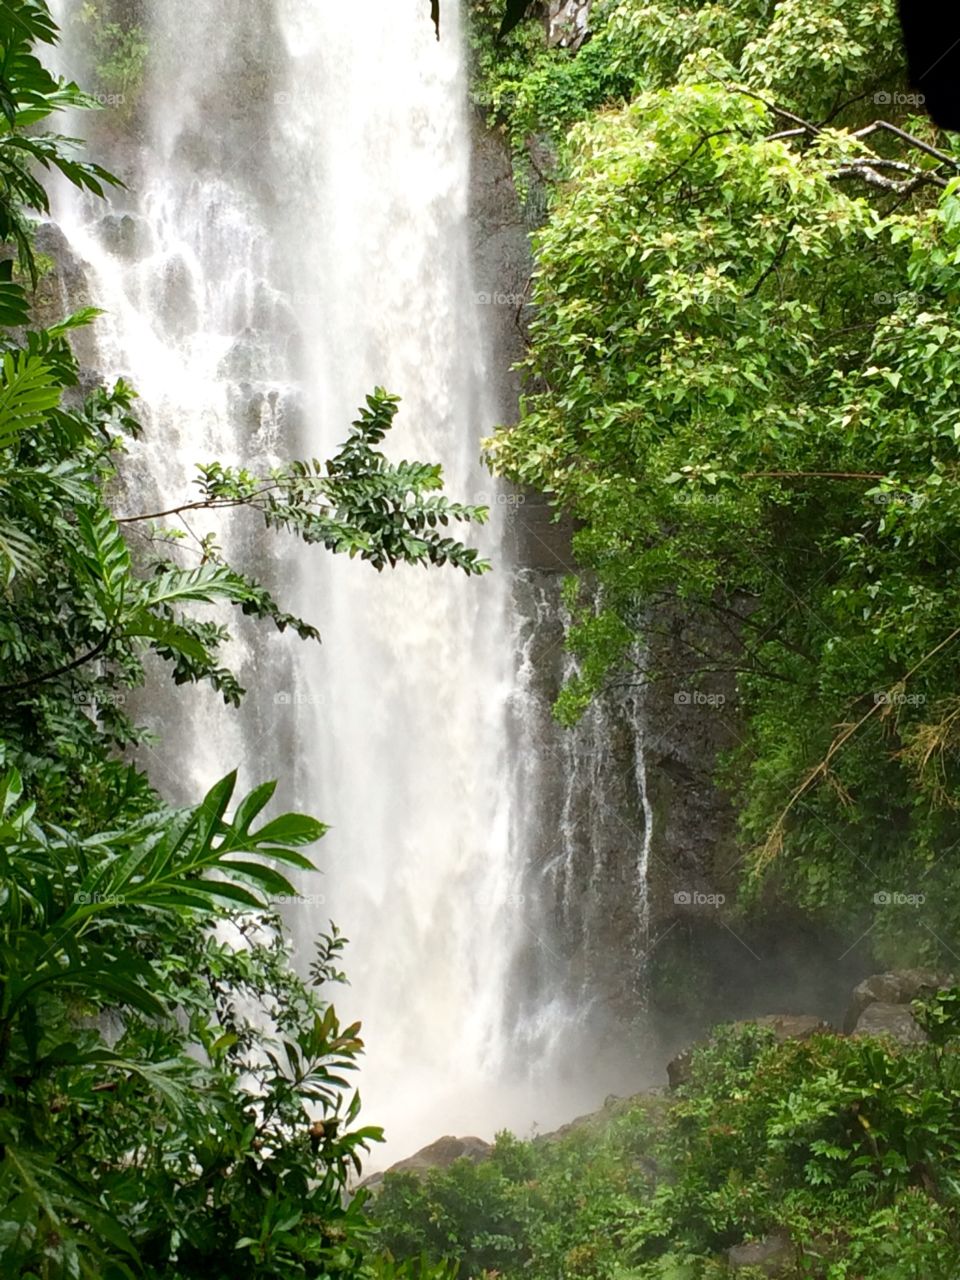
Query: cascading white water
(592, 856)
(295, 232)
(408, 698)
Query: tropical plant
(175, 1100)
(848, 1147)
(165, 1145)
(741, 386)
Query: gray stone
(895, 1021)
(125, 235)
(899, 986)
(654, 1102)
(438, 1155)
(543, 543)
(62, 290)
(442, 1153)
(678, 1068)
(567, 23)
(791, 1026)
(175, 296)
(773, 1255)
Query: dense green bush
(850, 1146)
(742, 386)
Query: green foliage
(742, 385)
(821, 58)
(196, 1123)
(66, 670)
(850, 1146)
(546, 1207)
(29, 94)
(120, 48)
(496, 62)
(175, 1101)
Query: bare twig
(866, 167)
(909, 138)
(774, 841)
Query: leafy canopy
(742, 385)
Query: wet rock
(678, 1068)
(248, 359)
(438, 1155)
(896, 987)
(567, 23)
(654, 1102)
(895, 1021)
(772, 1256)
(543, 543)
(63, 288)
(175, 295)
(792, 1026)
(442, 1153)
(127, 236)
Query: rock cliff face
(587, 827)
(624, 815)
(568, 23)
(633, 858)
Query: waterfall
(294, 231)
(412, 686)
(586, 876)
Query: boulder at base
(900, 986)
(772, 1256)
(442, 1153)
(895, 1021)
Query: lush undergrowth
(741, 386)
(850, 1147)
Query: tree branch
(202, 504)
(774, 840)
(95, 652)
(813, 475)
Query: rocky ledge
(879, 1006)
